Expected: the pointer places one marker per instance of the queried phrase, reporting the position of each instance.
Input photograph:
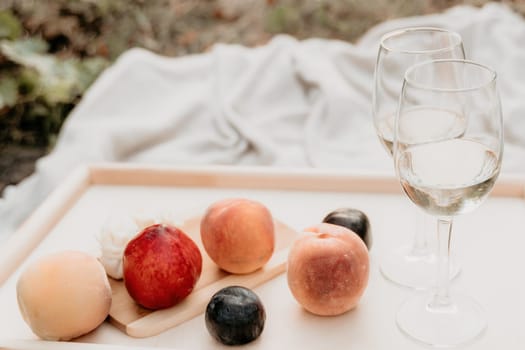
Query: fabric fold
(288, 103)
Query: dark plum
(235, 316)
(354, 220)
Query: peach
(328, 269)
(64, 295)
(238, 234)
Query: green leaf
(8, 92)
(282, 19)
(54, 82)
(23, 51)
(28, 80)
(10, 26)
(63, 80)
(89, 70)
(59, 80)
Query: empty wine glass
(448, 146)
(410, 265)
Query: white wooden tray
(488, 242)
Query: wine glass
(448, 146)
(410, 265)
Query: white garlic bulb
(115, 234)
(118, 230)
(144, 218)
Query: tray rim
(25, 239)
(50, 211)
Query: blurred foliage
(52, 50)
(38, 87)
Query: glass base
(459, 323)
(407, 269)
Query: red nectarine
(161, 266)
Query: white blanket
(289, 103)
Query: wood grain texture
(139, 322)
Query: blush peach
(328, 269)
(238, 234)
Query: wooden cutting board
(139, 322)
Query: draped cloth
(288, 103)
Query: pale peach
(238, 234)
(64, 295)
(328, 269)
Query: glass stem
(420, 247)
(444, 232)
